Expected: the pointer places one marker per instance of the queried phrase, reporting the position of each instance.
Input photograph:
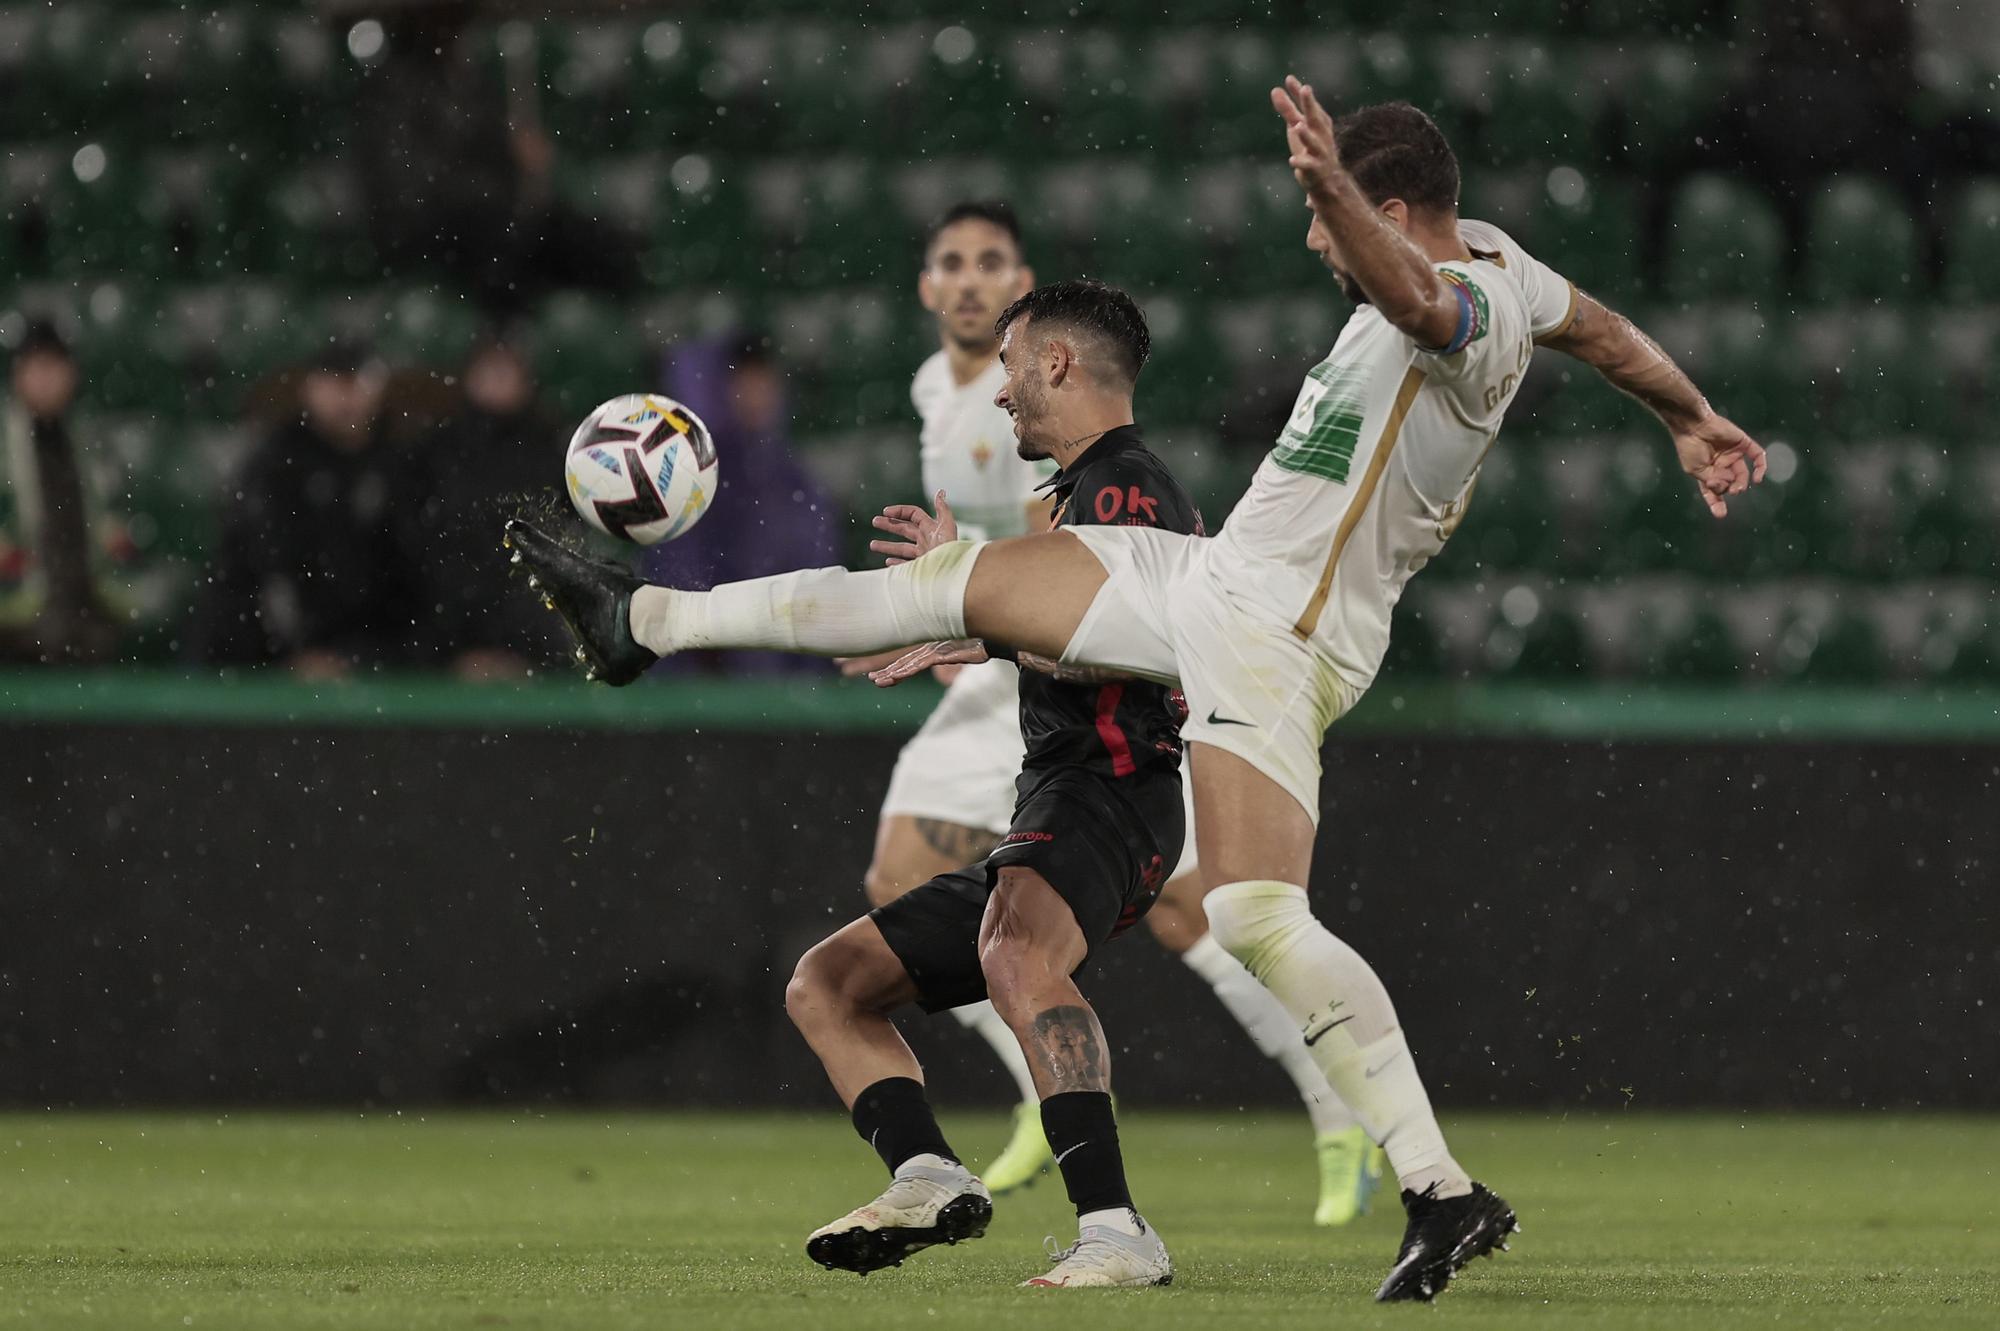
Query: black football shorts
(1104, 844)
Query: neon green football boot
(1350, 1169)
(1026, 1158)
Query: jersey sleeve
(1550, 297)
(1132, 492)
(1489, 324)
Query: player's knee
(1257, 921)
(817, 986)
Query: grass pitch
(697, 1221)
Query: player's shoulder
(931, 381)
(1489, 244)
(1134, 487)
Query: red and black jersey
(1128, 727)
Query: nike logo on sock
(1313, 1039)
(1064, 1155)
(1369, 1073)
(1215, 720)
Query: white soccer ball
(641, 468)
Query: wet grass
(696, 1221)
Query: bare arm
(971, 651)
(1396, 276)
(1719, 456)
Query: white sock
(1121, 1219)
(817, 611)
(928, 1161)
(1345, 1014)
(1271, 1029)
(983, 1019)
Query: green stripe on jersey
(1325, 427)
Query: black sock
(894, 1117)
(1083, 1133)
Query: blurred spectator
(319, 564)
(496, 455)
(769, 515)
(457, 171)
(53, 537)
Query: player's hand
(1722, 459)
(963, 651)
(920, 532)
(856, 666)
(1315, 159)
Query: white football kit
(1276, 625)
(960, 767)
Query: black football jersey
(1126, 727)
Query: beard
(1349, 287)
(1028, 413)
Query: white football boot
(931, 1201)
(1106, 1258)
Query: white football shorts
(960, 767)
(1253, 686)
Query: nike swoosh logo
(1370, 1073)
(1215, 720)
(1064, 1155)
(1313, 1039)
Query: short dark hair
(1395, 151)
(42, 338)
(1097, 309)
(995, 212)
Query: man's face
(1025, 396)
(973, 272)
(45, 381)
(341, 407)
(498, 381)
(1320, 241)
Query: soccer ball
(641, 468)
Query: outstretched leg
(1030, 592)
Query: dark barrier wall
(342, 915)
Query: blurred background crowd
(301, 299)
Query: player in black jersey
(1098, 824)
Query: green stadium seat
(93, 225)
(1509, 524)
(1669, 95)
(1702, 650)
(1414, 649)
(1972, 245)
(587, 349)
(1724, 240)
(311, 228)
(1861, 244)
(1550, 646)
(1587, 228)
(1542, 107)
(1845, 649)
(427, 326)
(1882, 377)
(701, 219)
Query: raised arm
(1392, 272)
(1721, 458)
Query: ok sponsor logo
(1131, 503)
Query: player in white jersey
(952, 793)
(1275, 626)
